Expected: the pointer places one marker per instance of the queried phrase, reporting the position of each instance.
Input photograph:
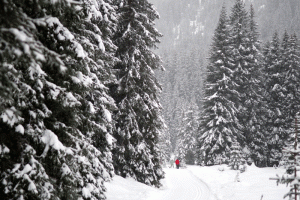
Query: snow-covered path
(181, 184)
(178, 184)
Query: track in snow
(183, 185)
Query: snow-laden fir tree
(236, 156)
(291, 62)
(276, 128)
(60, 148)
(243, 57)
(138, 118)
(22, 175)
(186, 140)
(83, 122)
(253, 98)
(288, 90)
(219, 123)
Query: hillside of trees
(188, 27)
(248, 96)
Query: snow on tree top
(83, 160)
(215, 95)
(100, 42)
(51, 140)
(92, 108)
(94, 12)
(20, 129)
(107, 115)
(86, 191)
(9, 116)
(79, 50)
(65, 170)
(219, 62)
(19, 35)
(4, 149)
(110, 139)
(70, 100)
(59, 28)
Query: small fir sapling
(236, 157)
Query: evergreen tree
(219, 122)
(138, 118)
(82, 121)
(22, 175)
(236, 156)
(60, 148)
(254, 116)
(275, 95)
(242, 62)
(291, 62)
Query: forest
(186, 50)
(251, 92)
(90, 89)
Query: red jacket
(177, 162)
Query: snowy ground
(203, 183)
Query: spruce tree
(23, 175)
(138, 118)
(275, 94)
(83, 121)
(219, 122)
(254, 116)
(60, 148)
(291, 59)
(240, 53)
(236, 156)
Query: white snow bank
(127, 189)
(254, 183)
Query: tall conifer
(138, 119)
(292, 78)
(240, 50)
(254, 116)
(219, 123)
(275, 94)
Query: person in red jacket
(177, 163)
